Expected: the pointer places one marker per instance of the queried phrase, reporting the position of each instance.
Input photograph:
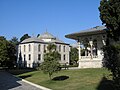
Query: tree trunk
(50, 75)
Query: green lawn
(82, 79)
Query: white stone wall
(94, 62)
(27, 53)
(90, 64)
(34, 53)
(62, 53)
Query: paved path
(9, 82)
(71, 68)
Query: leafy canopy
(110, 16)
(51, 60)
(73, 55)
(7, 53)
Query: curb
(38, 86)
(33, 84)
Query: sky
(59, 17)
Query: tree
(3, 50)
(110, 16)
(73, 55)
(51, 58)
(7, 53)
(25, 36)
(15, 41)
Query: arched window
(19, 48)
(59, 48)
(63, 48)
(24, 57)
(64, 57)
(95, 47)
(44, 48)
(39, 47)
(39, 56)
(29, 47)
(29, 57)
(24, 48)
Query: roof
(91, 31)
(33, 39)
(46, 35)
(58, 40)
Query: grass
(82, 79)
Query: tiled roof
(97, 28)
(33, 39)
(91, 31)
(46, 35)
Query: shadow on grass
(25, 76)
(105, 84)
(20, 71)
(60, 78)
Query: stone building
(31, 51)
(91, 42)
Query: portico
(90, 43)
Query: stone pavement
(10, 82)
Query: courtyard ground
(10, 82)
(79, 79)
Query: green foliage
(25, 36)
(110, 16)
(111, 56)
(15, 41)
(3, 49)
(7, 53)
(73, 56)
(51, 58)
(112, 62)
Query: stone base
(90, 64)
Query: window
(64, 48)
(60, 57)
(59, 48)
(24, 57)
(29, 65)
(20, 48)
(39, 46)
(39, 56)
(64, 57)
(94, 48)
(29, 47)
(25, 60)
(24, 48)
(44, 48)
(29, 57)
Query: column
(79, 48)
(79, 51)
(85, 52)
(103, 39)
(91, 49)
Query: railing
(87, 57)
